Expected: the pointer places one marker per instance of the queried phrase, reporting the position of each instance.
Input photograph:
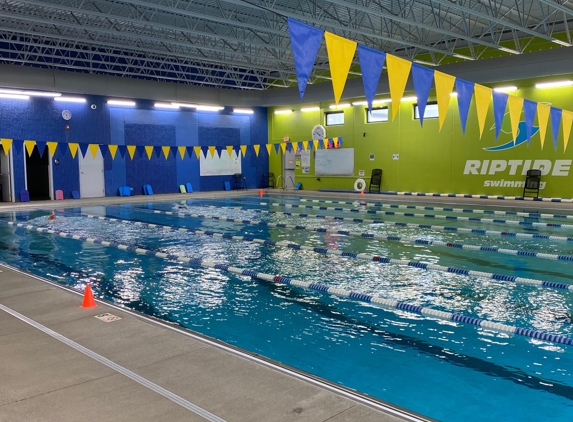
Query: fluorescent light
(563, 43)
(307, 109)
(360, 103)
(505, 88)
(70, 99)
(15, 96)
(406, 99)
(382, 101)
(185, 105)
(283, 111)
(121, 103)
(461, 56)
(508, 50)
(243, 111)
(343, 105)
(209, 108)
(422, 62)
(30, 93)
(453, 94)
(554, 84)
(166, 105)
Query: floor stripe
(139, 379)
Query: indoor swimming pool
(456, 313)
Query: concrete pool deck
(58, 362)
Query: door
(288, 169)
(92, 183)
(38, 174)
(6, 176)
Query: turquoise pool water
(445, 370)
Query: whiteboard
(220, 166)
(334, 162)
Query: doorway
(288, 169)
(38, 175)
(92, 183)
(6, 187)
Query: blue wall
(41, 119)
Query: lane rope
(277, 279)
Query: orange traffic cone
(361, 193)
(261, 193)
(89, 301)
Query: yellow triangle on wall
(149, 151)
(94, 148)
(112, 150)
(73, 148)
(198, 152)
(30, 147)
(6, 145)
(257, 149)
(166, 151)
(131, 151)
(182, 151)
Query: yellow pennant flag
(30, 147)
(482, 95)
(444, 87)
(283, 146)
(131, 151)
(305, 145)
(166, 151)
(515, 105)
(325, 143)
(94, 148)
(315, 143)
(340, 54)
(197, 152)
(244, 150)
(294, 146)
(149, 151)
(182, 151)
(212, 151)
(566, 120)
(230, 150)
(7, 144)
(73, 148)
(269, 148)
(398, 72)
(543, 111)
(257, 149)
(112, 150)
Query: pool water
(441, 369)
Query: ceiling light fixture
(555, 84)
(121, 103)
(70, 99)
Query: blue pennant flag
(103, 148)
(41, 147)
(84, 149)
(499, 105)
(423, 78)
(465, 92)
(555, 124)
(121, 149)
(18, 145)
(371, 65)
(529, 110)
(305, 41)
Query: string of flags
(151, 151)
(306, 41)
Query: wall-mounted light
(70, 99)
(209, 108)
(166, 105)
(243, 111)
(125, 103)
(505, 88)
(553, 84)
(185, 105)
(309, 109)
(283, 111)
(453, 94)
(508, 50)
(29, 93)
(408, 99)
(15, 96)
(339, 106)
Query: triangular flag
(315, 143)
(529, 109)
(305, 145)
(182, 151)
(174, 149)
(112, 151)
(197, 152)
(499, 106)
(166, 150)
(29, 147)
(83, 149)
(555, 124)
(283, 146)
(277, 147)
(122, 149)
(257, 149)
(6, 145)
(422, 77)
(371, 65)
(515, 105)
(219, 150)
(230, 150)
(269, 148)
(444, 88)
(566, 121)
(340, 55)
(52, 146)
(17, 146)
(157, 151)
(190, 151)
(305, 41)
(212, 150)
(543, 111)
(244, 150)
(326, 143)
(465, 91)
(131, 150)
(94, 148)
(398, 72)
(483, 97)
(73, 146)
(103, 149)
(149, 151)
(41, 145)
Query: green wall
(431, 160)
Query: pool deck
(58, 362)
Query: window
(335, 118)
(378, 114)
(430, 113)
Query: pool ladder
(284, 184)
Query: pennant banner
(444, 88)
(515, 105)
(555, 124)
(6, 145)
(398, 72)
(543, 111)
(465, 92)
(566, 120)
(483, 96)
(371, 64)
(340, 54)
(305, 41)
(422, 77)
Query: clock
(318, 132)
(66, 114)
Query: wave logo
(520, 139)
